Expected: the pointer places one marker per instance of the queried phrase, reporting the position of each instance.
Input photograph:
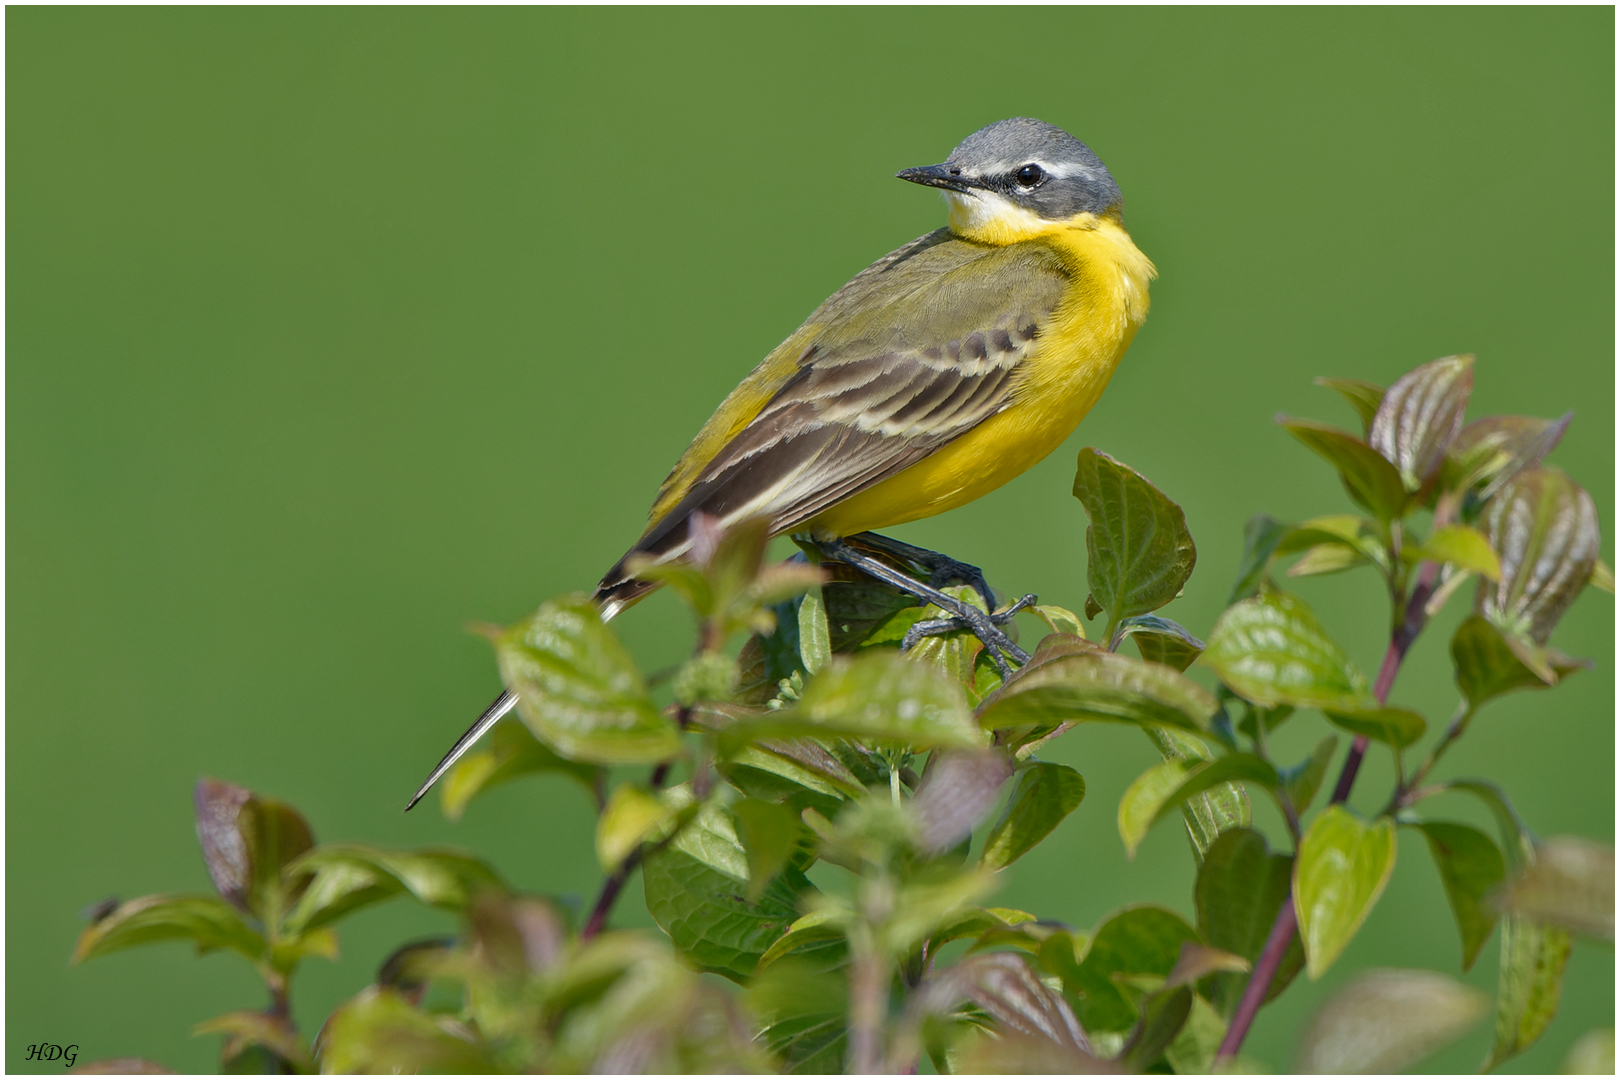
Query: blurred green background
(331, 329)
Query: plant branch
(1287, 921)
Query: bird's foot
(985, 625)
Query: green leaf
(1043, 796)
(513, 752)
(1461, 546)
(1363, 396)
(1240, 889)
(1161, 641)
(1139, 940)
(1386, 1020)
(1470, 866)
(1399, 728)
(1419, 416)
(1098, 686)
(1570, 885)
(1148, 800)
(770, 835)
(206, 921)
(794, 772)
(1301, 782)
(811, 1045)
(378, 1031)
(1342, 869)
(1529, 984)
(1209, 813)
(1489, 452)
(1370, 479)
(1544, 528)
(879, 696)
(1139, 553)
(1327, 559)
(1062, 620)
(351, 876)
(926, 903)
(1338, 536)
(1517, 841)
(1193, 1050)
(1488, 665)
(579, 691)
(630, 815)
(695, 889)
(954, 653)
(1261, 535)
(1272, 651)
(1602, 577)
(1163, 1015)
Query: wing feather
(910, 355)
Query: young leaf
(1301, 782)
(1161, 641)
(208, 922)
(1043, 796)
(1008, 989)
(1240, 887)
(960, 788)
(1139, 940)
(1138, 813)
(1261, 535)
(1570, 885)
(878, 696)
(1399, 728)
(1139, 553)
(1489, 452)
(1327, 559)
(1139, 806)
(1369, 478)
(513, 752)
(1338, 536)
(1420, 415)
(1489, 665)
(1342, 869)
(1471, 867)
(627, 819)
(1193, 1050)
(351, 876)
(1602, 577)
(1098, 686)
(1462, 546)
(694, 889)
(1211, 812)
(815, 639)
(1384, 1020)
(1363, 396)
(578, 690)
(1528, 985)
(246, 1028)
(1544, 528)
(1272, 651)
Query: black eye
(1030, 175)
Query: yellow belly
(1082, 345)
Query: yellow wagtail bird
(942, 371)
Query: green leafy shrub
(821, 740)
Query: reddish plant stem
(610, 892)
(1287, 921)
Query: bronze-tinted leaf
(1383, 1020)
(1420, 415)
(1544, 528)
(1571, 884)
(1489, 452)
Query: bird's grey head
(1037, 167)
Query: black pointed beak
(941, 176)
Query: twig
(1287, 921)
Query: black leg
(985, 626)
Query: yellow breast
(1080, 346)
